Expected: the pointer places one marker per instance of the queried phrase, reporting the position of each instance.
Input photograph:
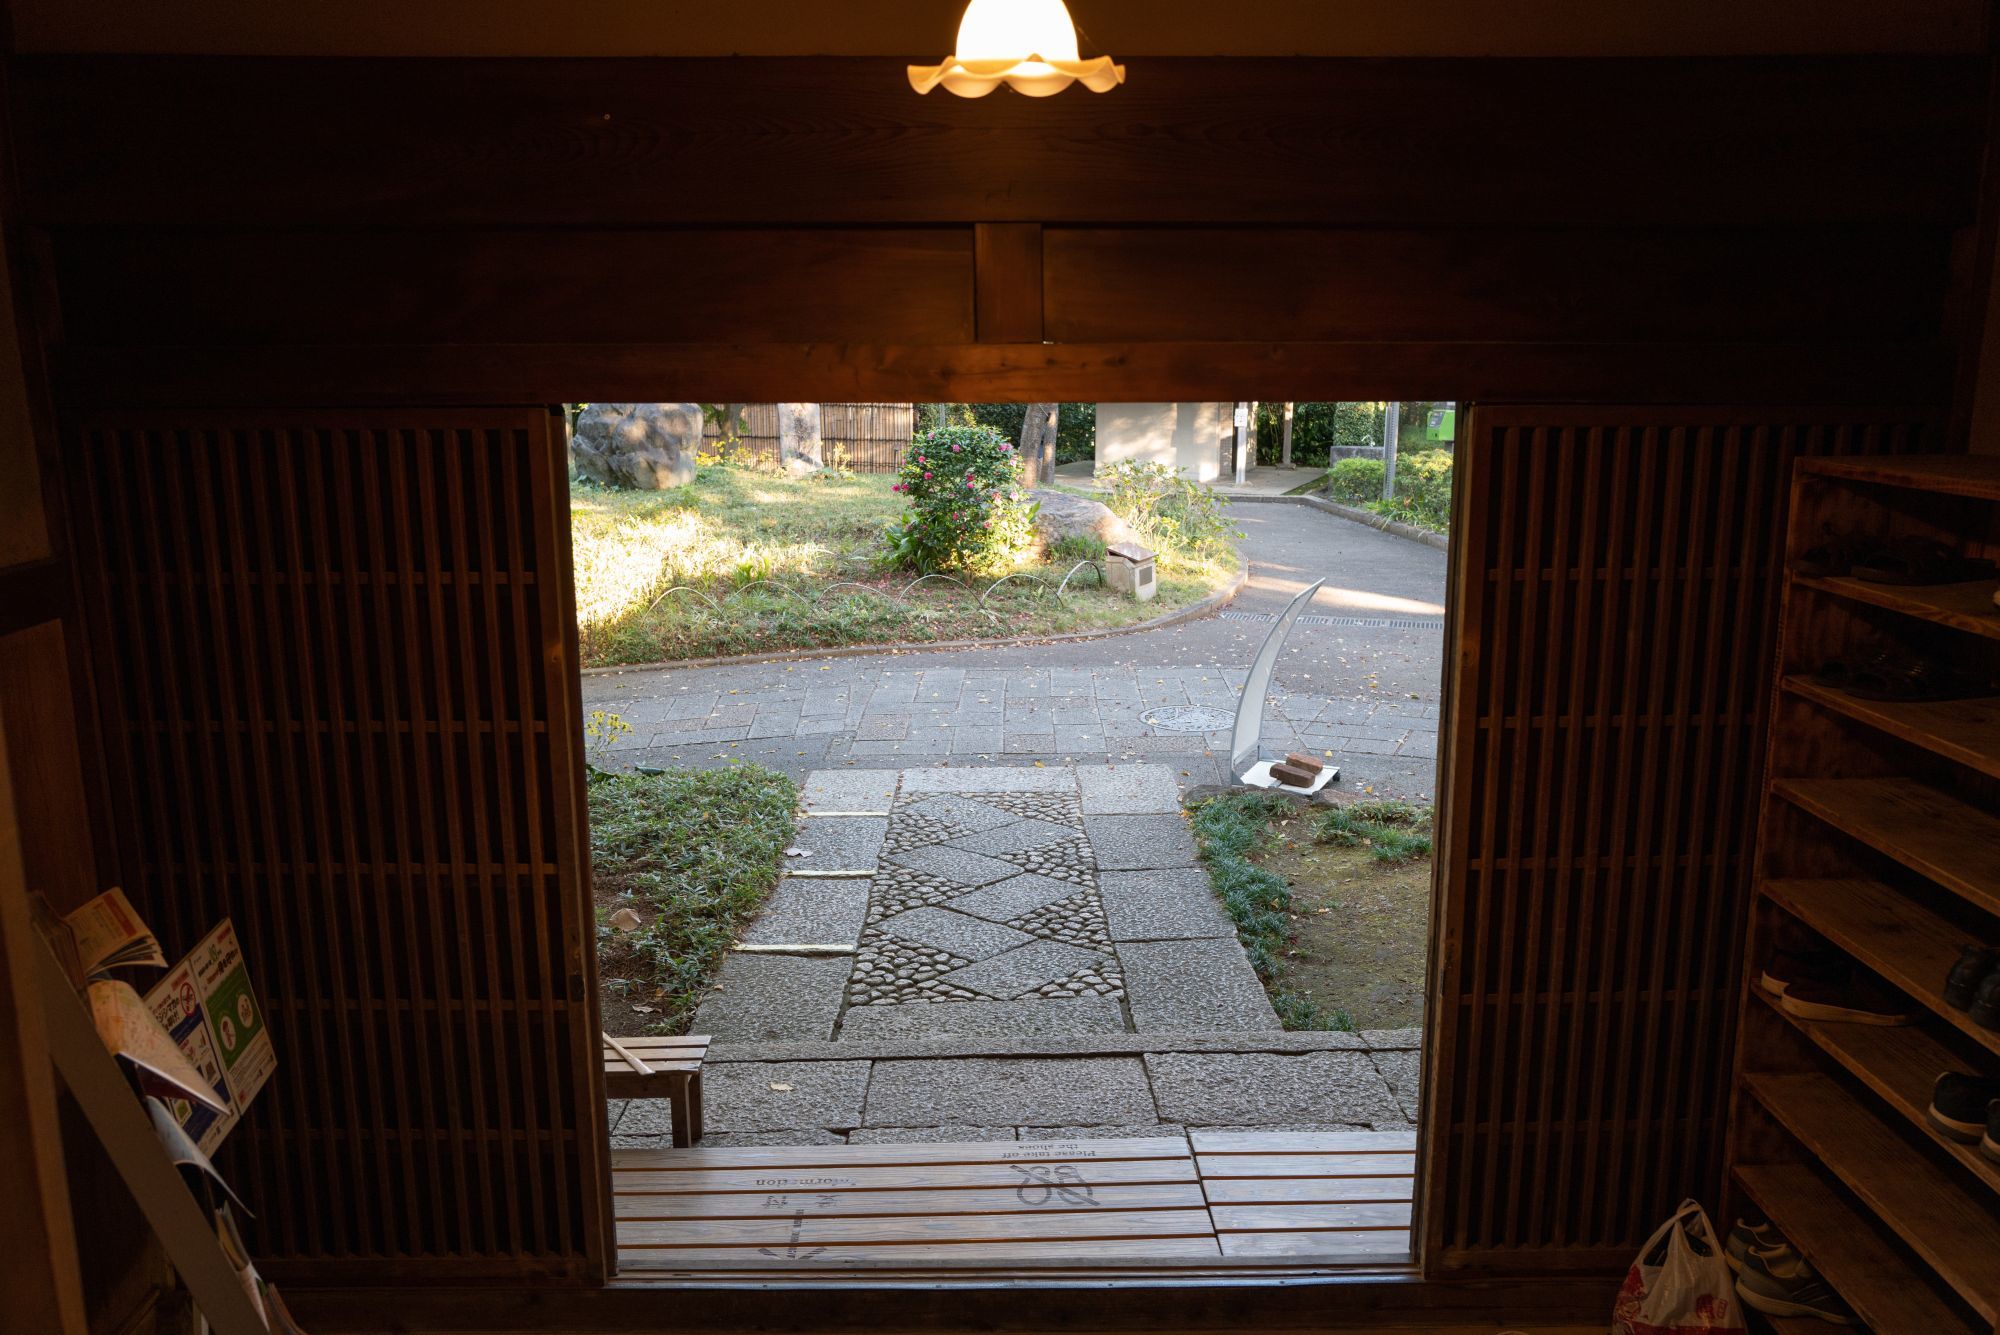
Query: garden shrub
(1423, 490)
(1355, 481)
(967, 508)
(1172, 515)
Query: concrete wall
(1190, 437)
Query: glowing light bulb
(1029, 45)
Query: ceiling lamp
(1029, 45)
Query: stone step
(1081, 1045)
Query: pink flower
(1006, 444)
(922, 460)
(954, 449)
(927, 474)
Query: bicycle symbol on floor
(1042, 1184)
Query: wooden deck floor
(1209, 1198)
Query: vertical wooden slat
(338, 691)
(1614, 584)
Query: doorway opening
(942, 851)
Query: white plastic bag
(1679, 1284)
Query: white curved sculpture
(1245, 741)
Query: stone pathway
(1026, 953)
(1358, 681)
(986, 901)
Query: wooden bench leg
(678, 1097)
(694, 1106)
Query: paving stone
(738, 1096)
(730, 1140)
(1035, 965)
(1309, 1128)
(810, 911)
(955, 864)
(1139, 843)
(1393, 1038)
(962, 935)
(1019, 837)
(838, 843)
(1128, 790)
(613, 1110)
(1120, 1131)
(1023, 1091)
(926, 1135)
(1027, 1018)
(1190, 986)
(849, 790)
(769, 997)
(883, 728)
(1270, 1088)
(1176, 903)
(970, 817)
(989, 779)
(648, 1117)
(1404, 1073)
(1018, 895)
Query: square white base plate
(1259, 776)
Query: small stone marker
(1129, 569)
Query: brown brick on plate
(1297, 761)
(1293, 776)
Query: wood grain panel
(514, 285)
(1815, 284)
(1615, 592)
(1355, 142)
(1858, 372)
(335, 660)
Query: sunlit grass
(746, 560)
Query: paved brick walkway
(989, 901)
(1359, 681)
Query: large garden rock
(650, 446)
(1065, 516)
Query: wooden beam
(1108, 285)
(132, 140)
(1857, 372)
(516, 285)
(1008, 269)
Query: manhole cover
(1187, 718)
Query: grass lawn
(781, 563)
(693, 853)
(1333, 905)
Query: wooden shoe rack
(1880, 832)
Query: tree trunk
(1285, 438)
(1038, 444)
(798, 437)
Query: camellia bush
(967, 508)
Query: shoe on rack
(1989, 1140)
(1747, 1236)
(1859, 1001)
(1777, 1281)
(1985, 1008)
(1962, 1105)
(1962, 983)
(1789, 966)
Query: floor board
(1253, 1197)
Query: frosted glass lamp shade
(1029, 45)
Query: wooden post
(1285, 437)
(1242, 436)
(1392, 428)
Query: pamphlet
(107, 934)
(206, 1004)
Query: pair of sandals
(1898, 677)
(1907, 560)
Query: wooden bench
(660, 1068)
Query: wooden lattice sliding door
(1615, 590)
(335, 664)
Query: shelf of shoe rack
(1830, 1136)
(1965, 732)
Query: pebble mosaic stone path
(988, 900)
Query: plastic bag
(1679, 1284)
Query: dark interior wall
(1784, 228)
(228, 233)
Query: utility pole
(1392, 428)
(1285, 438)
